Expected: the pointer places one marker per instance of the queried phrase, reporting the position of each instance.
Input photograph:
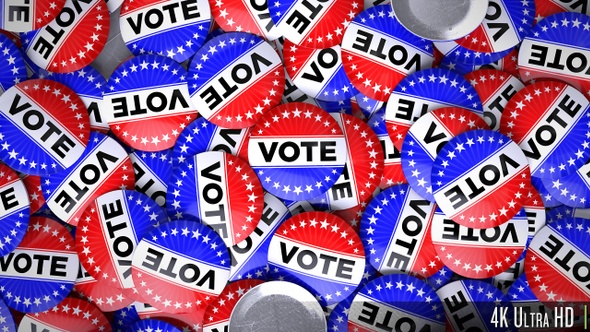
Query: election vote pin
(471, 304)
(392, 164)
(180, 266)
(248, 16)
(396, 302)
(221, 191)
(378, 52)
(71, 314)
(426, 138)
(109, 231)
(548, 119)
(422, 92)
(153, 171)
(363, 170)
(495, 88)
(219, 311)
(13, 64)
(556, 49)
(14, 210)
(101, 293)
(148, 102)
(318, 72)
(298, 151)
(571, 190)
(175, 29)
(41, 271)
(33, 185)
(44, 127)
(89, 85)
(395, 230)
(72, 40)
(202, 135)
(557, 262)
(480, 179)
(251, 254)
(103, 167)
(235, 78)
(479, 253)
(23, 16)
(314, 25)
(319, 251)
(505, 24)
(152, 325)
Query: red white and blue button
(550, 121)
(422, 92)
(41, 271)
(392, 164)
(546, 8)
(245, 16)
(175, 29)
(235, 78)
(321, 253)
(180, 266)
(14, 210)
(28, 15)
(44, 127)
(480, 179)
(220, 190)
(426, 138)
(396, 302)
(148, 102)
(298, 151)
(378, 52)
(153, 171)
(101, 293)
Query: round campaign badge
(318, 72)
(426, 138)
(73, 40)
(378, 52)
(556, 48)
(202, 135)
(90, 86)
(14, 210)
(235, 78)
(148, 102)
(33, 185)
(548, 200)
(180, 266)
(41, 271)
(321, 253)
(110, 229)
(507, 63)
(545, 8)
(480, 179)
(71, 314)
(558, 260)
(314, 25)
(218, 312)
(422, 92)
(103, 167)
(101, 293)
(219, 190)
(151, 325)
(395, 230)
(363, 170)
(479, 253)
(175, 29)
(14, 69)
(153, 171)
(548, 120)
(471, 304)
(247, 16)
(571, 190)
(23, 16)
(44, 127)
(251, 254)
(495, 88)
(298, 151)
(396, 302)
(392, 164)
(506, 23)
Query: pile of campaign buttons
(294, 165)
